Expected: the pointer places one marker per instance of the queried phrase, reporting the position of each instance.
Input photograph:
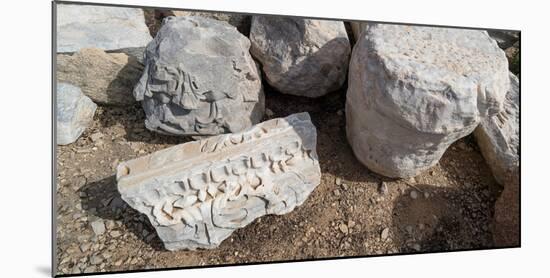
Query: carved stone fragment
(196, 194)
(199, 79)
(413, 91)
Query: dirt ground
(353, 212)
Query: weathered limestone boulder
(196, 194)
(199, 79)
(498, 136)
(415, 90)
(107, 28)
(240, 21)
(107, 78)
(301, 57)
(74, 113)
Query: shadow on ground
(442, 219)
(102, 199)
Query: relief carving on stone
(223, 183)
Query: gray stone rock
(415, 90)
(197, 193)
(75, 112)
(199, 79)
(385, 234)
(301, 57)
(107, 78)
(98, 227)
(107, 28)
(498, 136)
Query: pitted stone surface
(196, 194)
(240, 21)
(107, 28)
(498, 136)
(74, 113)
(301, 57)
(415, 90)
(199, 79)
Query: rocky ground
(353, 212)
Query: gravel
(375, 216)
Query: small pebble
(85, 247)
(110, 224)
(384, 234)
(414, 194)
(338, 181)
(98, 227)
(336, 192)
(343, 228)
(426, 195)
(383, 188)
(115, 233)
(344, 186)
